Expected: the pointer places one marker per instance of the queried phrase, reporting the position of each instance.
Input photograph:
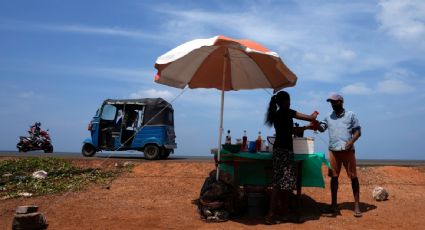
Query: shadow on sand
(310, 210)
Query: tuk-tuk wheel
(88, 150)
(151, 152)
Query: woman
(280, 115)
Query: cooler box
(303, 145)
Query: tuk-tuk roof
(142, 101)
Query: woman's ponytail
(271, 111)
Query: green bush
(62, 176)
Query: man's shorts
(339, 158)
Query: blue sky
(60, 59)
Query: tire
(49, 149)
(151, 152)
(165, 153)
(22, 150)
(88, 150)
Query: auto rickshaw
(145, 125)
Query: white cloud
(136, 75)
(165, 94)
(319, 45)
(403, 20)
(85, 29)
(119, 74)
(98, 30)
(393, 86)
(357, 89)
(27, 94)
(348, 54)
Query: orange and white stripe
(200, 63)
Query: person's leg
(284, 200)
(334, 194)
(356, 192)
(333, 173)
(274, 201)
(277, 179)
(351, 168)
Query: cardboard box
(303, 145)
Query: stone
(26, 209)
(25, 194)
(41, 174)
(127, 163)
(33, 221)
(380, 194)
(7, 175)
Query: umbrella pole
(220, 131)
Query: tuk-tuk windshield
(108, 112)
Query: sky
(60, 59)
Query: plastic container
(252, 147)
(303, 145)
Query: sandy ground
(158, 195)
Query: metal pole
(220, 130)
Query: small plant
(16, 176)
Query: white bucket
(303, 145)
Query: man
(35, 133)
(344, 129)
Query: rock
(127, 163)
(25, 194)
(380, 194)
(7, 175)
(41, 174)
(26, 209)
(33, 221)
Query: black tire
(151, 152)
(49, 149)
(165, 153)
(88, 150)
(22, 150)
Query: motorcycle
(43, 142)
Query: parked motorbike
(43, 142)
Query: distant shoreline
(207, 157)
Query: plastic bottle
(228, 138)
(258, 142)
(244, 141)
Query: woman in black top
(281, 117)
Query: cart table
(256, 168)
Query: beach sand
(159, 195)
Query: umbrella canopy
(225, 64)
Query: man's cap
(335, 97)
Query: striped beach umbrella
(225, 64)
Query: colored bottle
(228, 138)
(244, 141)
(258, 142)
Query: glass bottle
(258, 142)
(228, 138)
(244, 141)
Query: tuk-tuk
(145, 125)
